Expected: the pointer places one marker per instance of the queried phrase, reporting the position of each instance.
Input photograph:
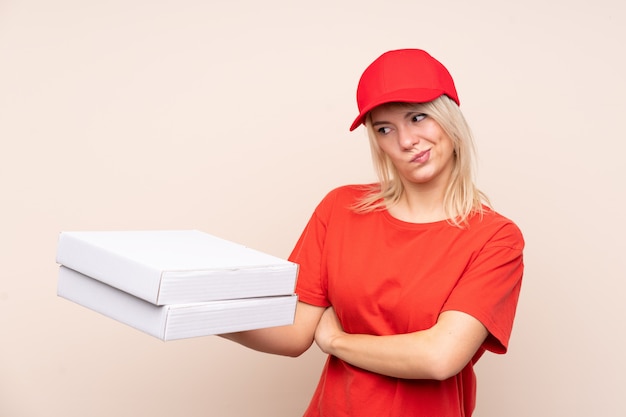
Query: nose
(407, 138)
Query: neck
(419, 204)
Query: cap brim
(414, 95)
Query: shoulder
(341, 200)
(497, 229)
(347, 194)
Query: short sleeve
(489, 288)
(308, 253)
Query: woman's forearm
(292, 340)
(276, 340)
(437, 353)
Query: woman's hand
(327, 330)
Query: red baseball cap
(403, 75)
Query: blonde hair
(462, 198)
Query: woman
(404, 283)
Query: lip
(421, 157)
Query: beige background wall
(232, 117)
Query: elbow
(296, 348)
(441, 373)
(443, 367)
(294, 353)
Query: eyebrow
(406, 116)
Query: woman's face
(420, 150)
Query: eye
(383, 130)
(418, 117)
